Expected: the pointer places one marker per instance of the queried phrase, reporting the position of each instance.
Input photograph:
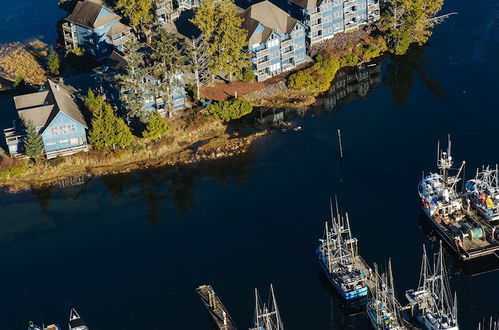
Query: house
(106, 76)
(276, 41)
(56, 117)
(165, 12)
(325, 18)
(95, 28)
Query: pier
(214, 305)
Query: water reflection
(402, 70)
(349, 84)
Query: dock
(217, 310)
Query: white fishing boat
(267, 316)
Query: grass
(23, 61)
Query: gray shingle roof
(271, 16)
(40, 108)
(86, 14)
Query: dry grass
(23, 60)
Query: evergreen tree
(405, 22)
(53, 63)
(122, 136)
(138, 12)
(169, 62)
(156, 127)
(33, 142)
(224, 34)
(133, 80)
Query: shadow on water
(401, 73)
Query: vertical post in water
(340, 144)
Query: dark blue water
(129, 250)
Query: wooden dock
(214, 305)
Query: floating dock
(214, 305)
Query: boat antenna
(279, 323)
(438, 151)
(337, 207)
(331, 208)
(449, 145)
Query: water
(129, 250)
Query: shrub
(248, 75)
(156, 127)
(229, 110)
(317, 78)
(192, 91)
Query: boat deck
(214, 305)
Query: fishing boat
(32, 326)
(340, 261)
(382, 308)
(483, 192)
(267, 316)
(450, 212)
(75, 321)
(432, 304)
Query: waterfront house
(54, 113)
(165, 12)
(106, 76)
(325, 18)
(94, 28)
(276, 41)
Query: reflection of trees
(174, 183)
(43, 195)
(401, 72)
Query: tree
(229, 110)
(107, 130)
(405, 22)
(133, 82)
(198, 58)
(138, 12)
(169, 62)
(33, 142)
(53, 62)
(156, 127)
(224, 35)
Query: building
(94, 28)
(276, 41)
(325, 18)
(56, 117)
(165, 12)
(107, 81)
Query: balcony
(262, 52)
(286, 43)
(288, 54)
(263, 64)
(350, 14)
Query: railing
(350, 14)
(66, 151)
(288, 54)
(286, 43)
(261, 65)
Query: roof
(271, 16)
(307, 3)
(86, 14)
(117, 28)
(40, 108)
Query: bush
(248, 75)
(318, 78)
(229, 110)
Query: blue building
(56, 117)
(107, 81)
(94, 28)
(276, 41)
(325, 18)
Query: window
(328, 19)
(275, 67)
(273, 43)
(74, 141)
(337, 14)
(63, 141)
(48, 144)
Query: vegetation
(225, 45)
(23, 60)
(156, 127)
(316, 78)
(139, 13)
(248, 75)
(405, 22)
(107, 131)
(76, 51)
(33, 142)
(53, 62)
(229, 110)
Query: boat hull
(347, 295)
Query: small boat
(339, 259)
(432, 303)
(75, 321)
(32, 326)
(382, 309)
